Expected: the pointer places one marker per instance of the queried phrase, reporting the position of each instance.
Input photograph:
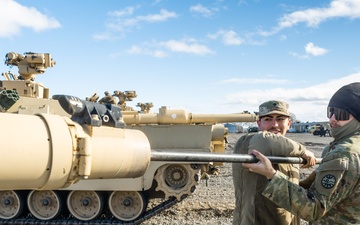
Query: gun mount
(29, 64)
(124, 97)
(85, 155)
(145, 107)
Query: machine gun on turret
(145, 107)
(29, 64)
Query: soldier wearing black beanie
(330, 194)
(348, 98)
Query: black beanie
(348, 98)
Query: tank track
(104, 220)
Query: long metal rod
(218, 157)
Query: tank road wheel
(44, 205)
(85, 205)
(11, 205)
(177, 180)
(127, 205)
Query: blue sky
(202, 56)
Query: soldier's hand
(310, 159)
(262, 167)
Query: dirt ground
(213, 201)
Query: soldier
(251, 208)
(331, 194)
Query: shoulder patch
(328, 181)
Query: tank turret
(176, 130)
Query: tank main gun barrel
(223, 118)
(180, 116)
(46, 151)
(216, 157)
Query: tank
(65, 160)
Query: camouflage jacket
(251, 207)
(334, 194)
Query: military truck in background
(321, 130)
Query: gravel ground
(213, 201)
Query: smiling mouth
(274, 130)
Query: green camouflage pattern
(274, 107)
(251, 207)
(334, 194)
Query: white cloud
(228, 37)
(186, 47)
(121, 22)
(106, 36)
(134, 50)
(156, 2)
(137, 50)
(118, 23)
(311, 49)
(308, 104)
(200, 9)
(124, 12)
(14, 17)
(313, 17)
(299, 56)
(165, 48)
(231, 38)
(152, 18)
(159, 54)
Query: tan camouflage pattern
(274, 107)
(251, 207)
(334, 194)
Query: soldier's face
(274, 123)
(338, 123)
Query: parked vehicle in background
(292, 130)
(321, 130)
(314, 129)
(253, 129)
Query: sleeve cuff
(278, 176)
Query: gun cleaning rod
(218, 157)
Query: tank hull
(67, 160)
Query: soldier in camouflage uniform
(251, 207)
(331, 194)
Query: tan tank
(70, 161)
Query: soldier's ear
(258, 122)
